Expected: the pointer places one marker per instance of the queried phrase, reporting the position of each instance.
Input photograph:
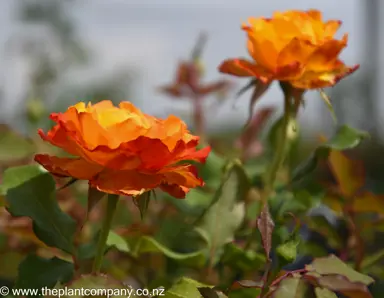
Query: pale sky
(152, 35)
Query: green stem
(279, 155)
(111, 208)
(270, 179)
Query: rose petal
(315, 14)
(176, 191)
(331, 27)
(170, 131)
(126, 182)
(68, 167)
(178, 180)
(244, 68)
(182, 175)
(313, 80)
(324, 57)
(58, 137)
(190, 153)
(295, 53)
(261, 44)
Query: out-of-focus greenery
(321, 236)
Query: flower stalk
(112, 200)
(269, 181)
(280, 153)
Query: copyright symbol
(4, 291)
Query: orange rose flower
(122, 151)
(293, 46)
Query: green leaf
(253, 209)
(288, 250)
(14, 146)
(212, 170)
(257, 167)
(292, 288)
(221, 220)
(324, 293)
(148, 244)
(88, 250)
(195, 203)
(30, 192)
(313, 249)
(345, 138)
(340, 284)
(298, 203)
(332, 265)
(115, 240)
(37, 273)
(328, 102)
(178, 234)
(185, 288)
(102, 286)
(240, 259)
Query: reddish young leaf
(332, 265)
(248, 139)
(266, 225)
(259, 90)
(340, 284)
(247, 284)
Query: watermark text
(83, 292)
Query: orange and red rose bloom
(121, 150)
(293, 46)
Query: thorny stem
(271, 175)
(290, 273)
(281, 278)
(279, 155)
(111, 208)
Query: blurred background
(66, 51)
(55, 53)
